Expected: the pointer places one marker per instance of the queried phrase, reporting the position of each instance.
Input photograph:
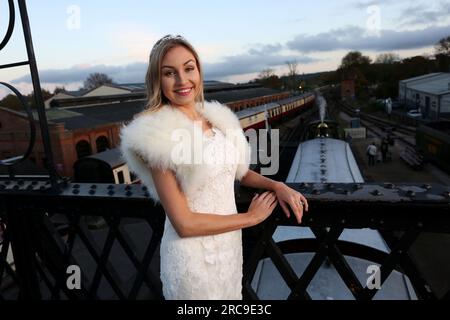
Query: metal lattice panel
(113, 231)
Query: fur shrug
(149, 141)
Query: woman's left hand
(288, 196)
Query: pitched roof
(93, 116)
(422, 77)
(436, 85)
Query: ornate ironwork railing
(400, 213)
(112, 233)
(11, 163)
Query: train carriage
(103, 167)
(433, 142)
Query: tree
(443, 46)
(442, 54)
(95, 80)
(59, 89)
(354, 59)
(266, 74)
(268, 78)
(292, 73)
(30, 98)
(354, 66)
(387, 58)
(11, 102)
(416, 66)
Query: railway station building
(82, 124)
(430, 93)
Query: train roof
(255, 110)
(327, 160)
(316, 122)
(226, 96)
(324, 160)
(112, 157)
(295, 98)
(251, 111)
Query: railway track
(290, 134)
(382, 127)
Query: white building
(63, 95)
(430, 93)
(102, 90)
(113, 88)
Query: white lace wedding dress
(206, 267)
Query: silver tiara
(165, 39)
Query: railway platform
(397, 171)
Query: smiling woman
(180, 79)
(201, 248)
(166, 65)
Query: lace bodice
(218, 194)
(206, 267)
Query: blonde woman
(188, 152)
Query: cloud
(263, 56)
(257, 58)
(265, 49)
(357, 38)
(134, 72)
(23, 87)
(424, 14)
(247, 63)
(367, 3)
(26, 88)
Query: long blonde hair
(155, 96)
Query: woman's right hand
(262, 206)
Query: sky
(236, 40)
